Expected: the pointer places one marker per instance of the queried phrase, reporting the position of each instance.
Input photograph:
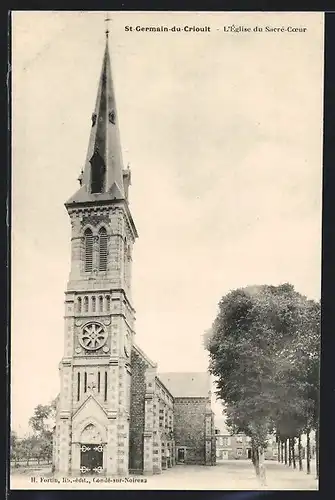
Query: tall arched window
(101, 304)
(79, 305)
(88, 250)
(102, 249)
(93, 304)
(85, 304)
(108, 303)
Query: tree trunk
(293, 453)
(257, 454)
(285, 451)
(278, 450)
(317, 450)
(282, 452)
(308, 453)
(299, 452)
(262, 473)
(255, 459)
(290, 451)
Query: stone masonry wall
(189, 428)
(137, 409)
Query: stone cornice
(76, 292)
(64, 414)
(79, 206)
(66, 362)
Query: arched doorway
(181, 454)
(91, 451)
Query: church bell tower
(92, 424)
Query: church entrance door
(91, 459)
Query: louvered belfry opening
(102, 249)
(88, 250)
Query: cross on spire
(107, 19)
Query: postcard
(166, 249)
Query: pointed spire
(102, 177)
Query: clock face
(92, 336)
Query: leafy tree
(39, 444)
(251, 355)
(14, 447)
(38, 421)
(27, 446)
(42, 422)
(42, 447)
(300, 363)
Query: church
(117, 415)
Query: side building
(151, 438)
(171, 420)
(194, 429)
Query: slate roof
(104, 142)
(145, 358)
(187, 385)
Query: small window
(108, 303)
(93, 304)
(111, 116)
(85, 304)
(106, 386)
(79, 304)
(127, 252)
(101, 304)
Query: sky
(223, 133)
